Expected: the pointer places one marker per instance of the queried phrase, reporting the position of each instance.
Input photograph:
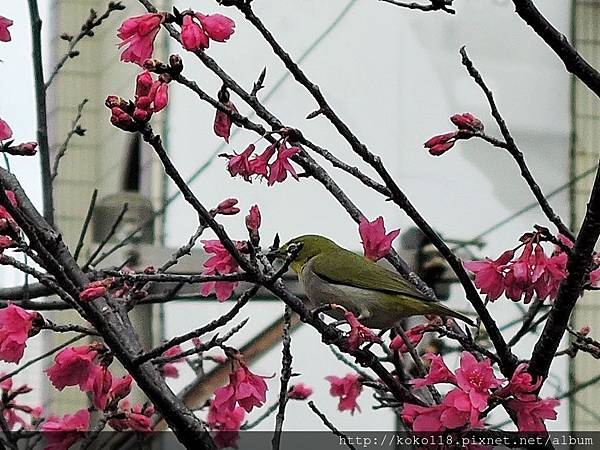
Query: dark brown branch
(578, 267)
(40, 99)
(329, 425)
(214, 342)
(70, 328)
(514, 151)
(86, 224)
(286, 373)
(434, 5)
(212, 326)
(574, 62)
(115, 328)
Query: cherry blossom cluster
(531, 273)
(13, 411)
(244, 392)
(467, 125)
(247, 165)
(138, 33)
(475, 387)
(150, 96)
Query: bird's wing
(362, 273)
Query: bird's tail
(442, 310)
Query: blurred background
(394, 75)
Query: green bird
(378, 297)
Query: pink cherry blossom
(218, 27)
(4, 33)
(459, 410)
(438, 145)
(376, 243)
(222, 263)
(120, 388)
(122, 120)
(438, 372)
(74, 366)
(282, 166)
(61, 433)
(5, 131)
(223, 122)
(299, 392)
(161, 96)
(476, 378)
(423, 418)
(228, 207)
(101, 388)
(531, 414)
(193, 37)
(347, 389)
(259, 165)
(15, 325)
(240, 165)
(12, 410)
(136, 418)
(253, 219)
(245, 388)
(595, 277)
(521, 385)
(92, 293)
(467, 121)
(489, 274)
(414, 335)
(169, 370)
(6, 242)
(226, 423)
(358, 333)
(138, 34)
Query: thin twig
(286, 373)
(212, 326)
(40, 99)
(41, 357)
(270, 410)
(86, 224)
(108, 237)
(75, 130)
(329, 425)
(87, 28)
(435, 5)
(512, 148)
(214, 342)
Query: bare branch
(578, 267)
(87, 29)
(434, 5)
(40, 98)
(514, 151)
(286, 373)
(329, 425)
(75, 130)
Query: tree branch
(574, 62)
(578, 268)
(514, 151)
(40, 98)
